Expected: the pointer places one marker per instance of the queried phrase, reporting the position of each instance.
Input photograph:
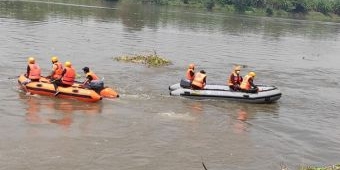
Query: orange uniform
(234, 79)
(245, 85)
(190, 74)
(199, 80)
(57, 71)
(69, 76)
(92, 75)
(34, 72)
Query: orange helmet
(54, 59)
(68, 64)
(253, 74)
(31, 60)
(191, 66)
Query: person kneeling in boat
(190, 72)
(247, 84)
(92, 80)
(57, 69)
(189, 77)
(33, 72)
(67, 77)
(199, 81)
(235, 79)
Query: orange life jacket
(237, 79)
(58, 70)
(189, 77)
(199, 80)
(94, 76)
(35, 72)
(245, 85)
(69, 76)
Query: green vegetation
(334, 167)
(270, 7)
(151, 60)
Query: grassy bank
(333, 167)
(322, 10)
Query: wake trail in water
(75, 5)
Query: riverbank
(317, 10)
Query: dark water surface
(148, 129)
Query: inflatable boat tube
(266, 94)
(44, 87)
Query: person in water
(190, 72)
(235, 79)
(92, 81)
(68, 77)
(248, 85)
(57, 69)
(199, 81)
(33, 71)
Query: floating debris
(151, 60)
(333, 167)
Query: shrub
(323, 7)
(336, 7)
(300, 6)
(209, 4)
(269, 12)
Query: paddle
(205, 168)
(13, 77)
(22, 85)
(25, 88)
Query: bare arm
(28, 71)
(252, 83)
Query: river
(148, 129)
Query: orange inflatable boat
(44, 87)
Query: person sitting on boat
(247, 84)
(68, 77)
(33, 72)
(92, 80)
(235, 79)
(199, 81)
(57, 69)
(190, 72)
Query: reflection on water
(196, 107)
(242, 115)
(33, 109)
(64, 122)
(136, 17)
(43, 111)
(240, 125)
